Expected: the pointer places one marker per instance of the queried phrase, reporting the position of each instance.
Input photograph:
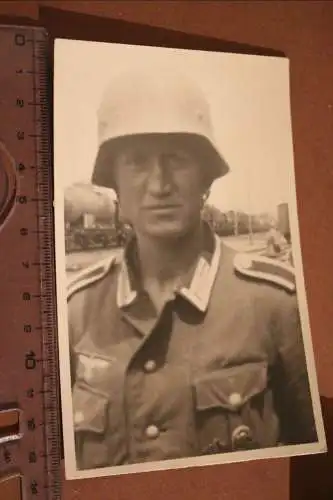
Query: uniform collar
(200, 281)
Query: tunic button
(78, 417)
(150, 366)
(235, 399)
(152, 431)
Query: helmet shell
(140, 102)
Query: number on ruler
(20, 135)
(30, 393)
(30, 360)
(22, 200)
(20, 102)
(20, 167)
(32, 457)
(19, 39)
(7, 456)
(31, 424)
(27, 328)
(33, 487)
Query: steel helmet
(154, 102)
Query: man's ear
(205, 195)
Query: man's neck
(165, 263)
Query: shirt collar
(200, 283)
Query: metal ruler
(30, 447)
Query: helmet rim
(208, 153)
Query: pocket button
(235, 399)
(150, 366)
(78, 417)
(152, 431)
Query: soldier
(275, 241)
(180, 347)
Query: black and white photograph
(183, 324)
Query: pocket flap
(90, 410)
(230, 387)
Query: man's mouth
(161, 207)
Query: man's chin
(165, 231)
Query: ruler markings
(51, 406)
(39, 231)
(41, 197)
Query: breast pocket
(234, 409)
(99, 421)
(90, 410)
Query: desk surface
(303, 31)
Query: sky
(249, 102)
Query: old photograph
(183, 323)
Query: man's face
(160, 186)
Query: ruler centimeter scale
(28, 340)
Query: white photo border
(71, 471)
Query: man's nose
(159, 179)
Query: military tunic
(221, 368)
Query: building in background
(283, 221)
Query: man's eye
(136, 161)
(139, 159)
(177, 160)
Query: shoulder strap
(266, 269)
(90, 275)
